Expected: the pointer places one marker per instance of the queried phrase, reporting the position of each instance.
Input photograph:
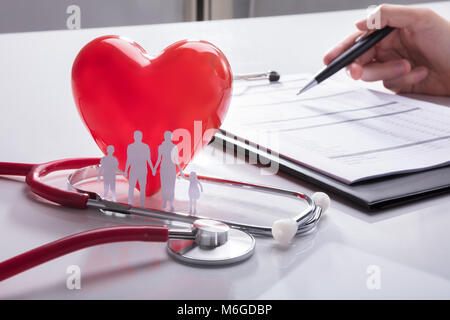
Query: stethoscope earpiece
(284, 230)
(274, 76)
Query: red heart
(118, 88)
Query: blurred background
(38, 15)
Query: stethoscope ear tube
(15, 169)
(303, 222)
(34, 172)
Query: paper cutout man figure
(194, 192)
(168, 157)
(109, 166)
(138, 155)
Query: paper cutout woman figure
(168, 157)
(109, 166)
(194, 191)
(138, 155)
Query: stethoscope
(272, 76)
(203, 241)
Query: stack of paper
(347, 133)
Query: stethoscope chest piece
(215, 243)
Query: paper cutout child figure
(109, 166)
(138, 155)
(168, 158)
(194, 191)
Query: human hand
(414, 58)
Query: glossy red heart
(118, 88)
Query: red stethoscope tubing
(58, 248)
(33, 173)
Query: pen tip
(308, 86)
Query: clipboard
(373, 195)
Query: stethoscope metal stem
(305, 220)
(272, 76)
(185, 234)
(253, 76)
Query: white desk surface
(39, 122)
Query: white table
(39, 122)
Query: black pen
(361, 45)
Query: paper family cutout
(138, 156)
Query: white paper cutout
(168, 158)
(138, 156)
(109, 166)
(194, 192)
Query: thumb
(396, 16)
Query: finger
(341, 47)
(385, 70)
(393, 15)
(404, 83)
(362, 25)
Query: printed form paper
(350, 134)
